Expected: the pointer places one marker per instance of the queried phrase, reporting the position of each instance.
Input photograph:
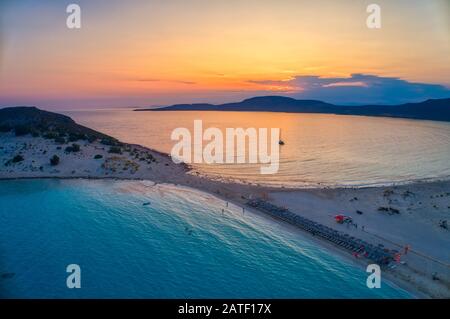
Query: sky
(146, 53)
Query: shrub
(115, 150)
(22, 130)
(74, 148)
(17, 159)
(50, 135)
(73, 138)
(76, 136)
(98, 156)
(395, 210)
(107, 141)
(54, 160)
(60, 140)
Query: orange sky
(161, 52)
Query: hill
(433, 109)
(31, 120)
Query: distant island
(433, 109)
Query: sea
(135, 239)
(320, 150)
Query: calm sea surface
(319, 150)
(178, 246)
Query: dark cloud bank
(361, 89)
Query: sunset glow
(142, 53)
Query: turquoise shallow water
(179, 246)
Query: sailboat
(280, 142)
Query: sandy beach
(394, 216)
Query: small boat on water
(146, 204)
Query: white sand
(422, 206)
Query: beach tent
(339, 218)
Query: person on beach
(406, 249)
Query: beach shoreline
(318, 204)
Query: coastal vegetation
(54, 160)
(73, 148)
(17, 158)
(115, 150)
(45, 140)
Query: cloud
(357, 89)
